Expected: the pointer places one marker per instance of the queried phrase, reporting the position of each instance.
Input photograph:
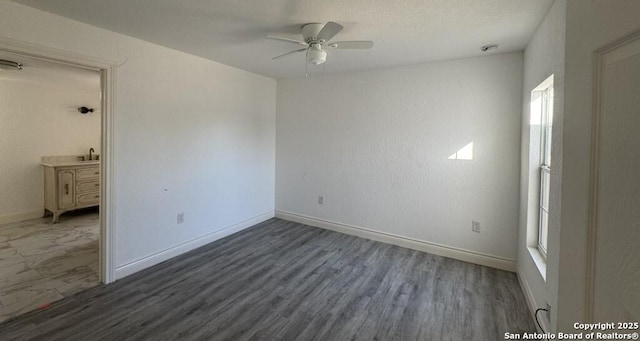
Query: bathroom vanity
(70, 183)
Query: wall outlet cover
(475, 226)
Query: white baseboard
(15, 217)
(411, 243)
(531, 302)
(141, 264)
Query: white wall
(376, 145)
(39, 118)
(544, 56)
(191, 135)
(590, 25)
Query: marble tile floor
(41, 262)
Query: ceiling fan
(315, 41)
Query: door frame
(107, 71)
(600, 57)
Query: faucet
(91, 151)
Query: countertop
(71, 163)
(69, 160)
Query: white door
(616, 276)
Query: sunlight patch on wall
(464, 153)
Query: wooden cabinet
(70, 186)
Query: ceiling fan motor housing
(310, 32)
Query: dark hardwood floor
(285, 281)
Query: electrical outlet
(475, 226)
(548, 312)
(180, 217)
(320, 200)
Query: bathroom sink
(85, 158)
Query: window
(545, 96)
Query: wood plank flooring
(281, 280)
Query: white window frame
(546, 124)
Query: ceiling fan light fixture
(316, 55)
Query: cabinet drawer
(87, 186)
(92, 198)
(87, 173)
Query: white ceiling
(234, 32)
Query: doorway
(82, 224)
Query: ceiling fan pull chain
(324, 69)
(306, 65)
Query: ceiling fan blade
(329, 30)
(355, 44)
(299, 42)
(290, 52)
